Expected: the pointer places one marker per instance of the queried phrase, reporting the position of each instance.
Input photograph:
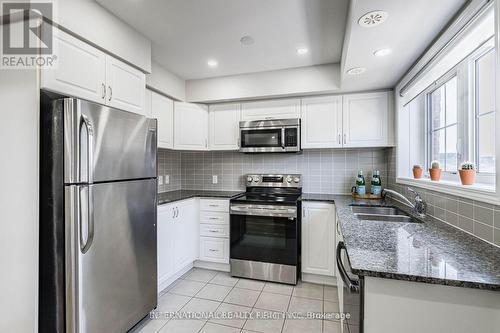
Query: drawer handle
(213, 218)
(212, 250)
(212, 205)
(213, 231)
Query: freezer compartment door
(111, 262)
(105, 144)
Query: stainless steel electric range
(265, 229)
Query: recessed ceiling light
(302, 51)
(212, 63)
(382, 52)
(356, 71)
(372, 19)
(247, 40)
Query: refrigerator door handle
(90, 148)
(86, 243)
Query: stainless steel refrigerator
(97, 217)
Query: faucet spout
(419, 207)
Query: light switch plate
(167, 179)
(160, 180)
(215, 179)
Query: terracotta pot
(417, 173)
(435, 174)
(467, 177)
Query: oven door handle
(351, 284)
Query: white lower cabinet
(214, 230)
(177, 239)
(318, 238)
(214, 249)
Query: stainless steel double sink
(381, 213)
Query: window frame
(467, 136)
(487, 47)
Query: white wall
(286, 82)
(166, 82)
(93, 23)
(19, 97)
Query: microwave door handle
(283, 137)
(352, 285)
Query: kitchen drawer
(214, 230)
(214, 218)
(214, 249)
(214, 205)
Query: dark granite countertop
(431, 252)
(168, 197)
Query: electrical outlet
(167, 179)
(215, 179)
(160, 180)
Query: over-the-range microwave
(270, 136)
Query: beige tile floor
(262, 304)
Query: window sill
(478, 192)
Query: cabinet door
(271, 109)
(186, 234)
(365, 119)
(318, 238)
(80, 70)
(224, 127)
(162, 108)
(125, 86)
(165, 237)
(191, 126)
(321, 122)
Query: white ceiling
(409, 29)
(187, 33)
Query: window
(443, 115)
(484, 81)
(460, 113)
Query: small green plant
(417, 166)
(435, 165)
(467, 166)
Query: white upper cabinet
(224, 120)
(321, 122)
(83, 71)
(190, 126)
(366, 119)
(271, 109)
(148, 112)
(80, 71)
(318, 238)
(162, 108)
(125, 86)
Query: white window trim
(478, 192)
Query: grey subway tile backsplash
(323, 171)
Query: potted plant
(467, 173)
(435, 171)
(417, 171)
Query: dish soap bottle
(360, 184)
(376, 184)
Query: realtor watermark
(27, 43)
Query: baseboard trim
(319, 279)
(216, 266)
(165, 283)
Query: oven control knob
(249, 179)
(296, 179)
(288, 179)
(256, 179)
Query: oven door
(264, 234)
(270, 139)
